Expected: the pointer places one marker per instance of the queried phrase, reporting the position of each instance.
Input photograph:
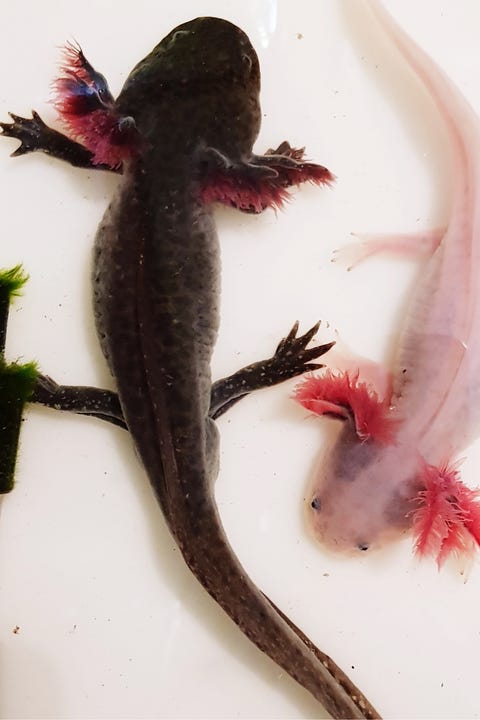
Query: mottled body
(183, 128)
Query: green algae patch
(16, 386)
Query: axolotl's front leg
(251, 186)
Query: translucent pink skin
(367, 493)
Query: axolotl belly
(392, 465)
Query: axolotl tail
(214, 564)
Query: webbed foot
(35, 135)
(31, 132)
(292, 357)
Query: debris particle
(16, 630)
(299, 36)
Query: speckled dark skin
(156, 286)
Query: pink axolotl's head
(374, 485)
(363, 494)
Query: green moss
(16, 386)
(12, 281)
(17, 380)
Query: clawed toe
(316, 351)
(303, 340)
(292, 342)
(291, 335)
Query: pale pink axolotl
(392, 466)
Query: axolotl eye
(316, 504)
(176, 35)
(247, 61)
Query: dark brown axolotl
(181, 132)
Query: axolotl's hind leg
(291, 359)
(80, 399)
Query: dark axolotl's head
(206, 49)
(204, 69)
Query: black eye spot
(176, 35)
(247, 60)
(363, 546)
(316, 504)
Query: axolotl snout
(362, 493)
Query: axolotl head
(198, 87)
(362, 494)
(198, 54)
(374, 484)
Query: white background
(111, 624)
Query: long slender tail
(214, 564)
